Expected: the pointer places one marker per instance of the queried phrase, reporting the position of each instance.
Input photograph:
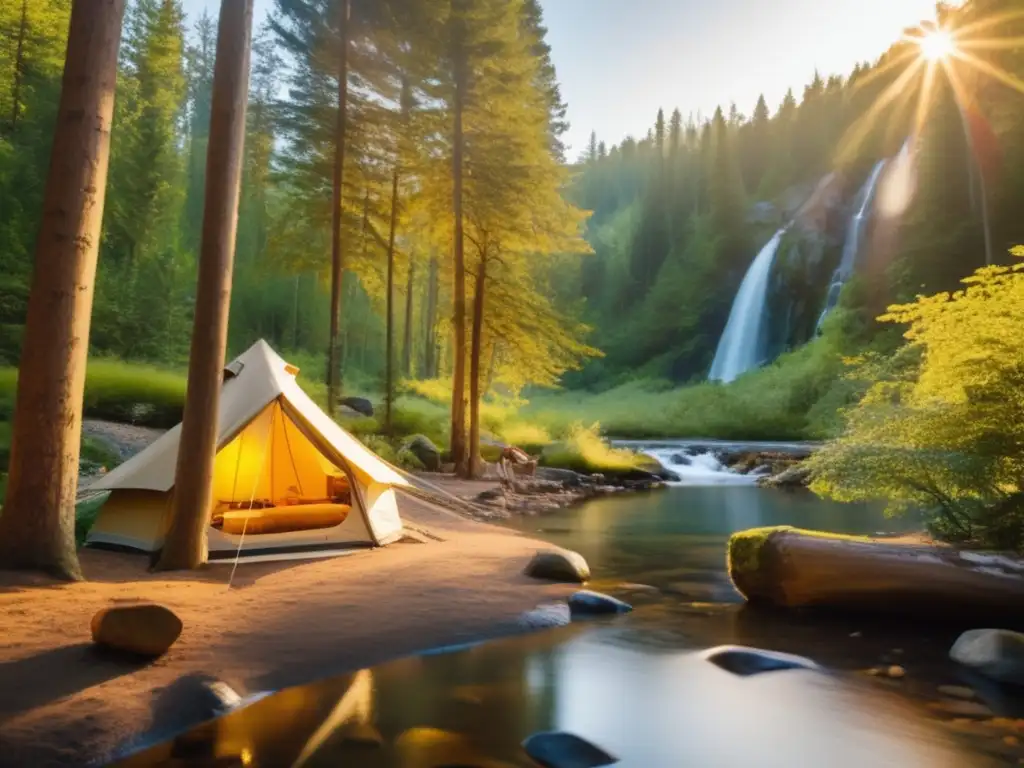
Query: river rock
(995, 653)
(797, 476)
(145, 630)
(753, 661)
(557, 749)
(566, 477)
(424, 449)
(587, 603)
(546, 616)
(360, 405)
(681, 460)
(558, 565)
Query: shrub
(583, 450)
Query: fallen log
(791, 568)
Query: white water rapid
(698, 468)
(854, 233)
(742, 346)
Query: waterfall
(742, 346)
(851, 247)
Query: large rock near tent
(144, 630)
(996, 653)
(358, 404)
(424, 449)
(558, 565)
(791, 568)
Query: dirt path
(278, 624)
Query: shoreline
(277, 624)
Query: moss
(744, 548)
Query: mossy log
(792, 568)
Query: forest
(569, 293)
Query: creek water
(639, 685)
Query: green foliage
(941, 426)
(584, 450)
(119, 391)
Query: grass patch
(85, 517)
(131, 393)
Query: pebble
(896, 672)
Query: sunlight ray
(924, 96)
(970, 29)
(897, 61)
(991, 44)
(860, 129)
(992, 71)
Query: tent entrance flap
(272, 479)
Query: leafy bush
(942, 425)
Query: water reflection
(675, 538)
(475, 707)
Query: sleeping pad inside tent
(287, 478)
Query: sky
(618, 61)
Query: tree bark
(458, 423)
(389, 320)
(407, 341)
(475, 466)
(185, 545)
(430, 351)
(37, 527)
(334, 374)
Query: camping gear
(301, 481)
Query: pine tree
(37, 527)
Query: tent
(287, 478)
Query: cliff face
(809, 254)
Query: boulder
(791, 568)
(358, 404)
(556, 749)
(587, 603)
(995, 653)
(753, 661)
(797, 476)
(145, 630)
(566, 477)
(558, 565)
(425, 451)
(681, 459)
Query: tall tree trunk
(389, 320)
(37, 527)
(19, 66)
(407, 341)
(334, 374)
(458, 425)
(474, 370)
(185, 545)
(430, 351)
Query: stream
(638, 685)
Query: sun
(937, 45)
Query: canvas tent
(287, 478)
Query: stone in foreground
(745, 661)
(144, 630)
(558, 565)
(587, 603)
(555, 749)
(995, 653)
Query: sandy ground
(277, 624)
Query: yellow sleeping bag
(297, 517)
